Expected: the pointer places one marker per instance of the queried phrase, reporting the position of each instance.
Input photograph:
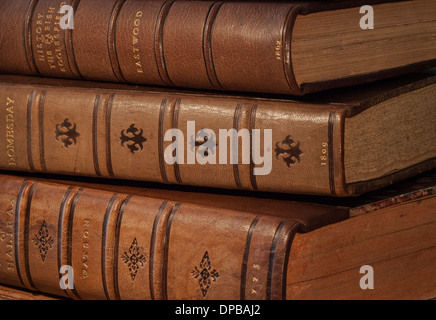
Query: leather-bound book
(341, 143)
(86, 243)
(14, 293)
(132, 241)
(385, 251)
(290, 47)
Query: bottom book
(12, 293)
(84, 240)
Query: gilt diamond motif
(205, 274)
(134, 259)
(43, 241)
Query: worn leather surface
(239, 45)
(127, 246)
(89, 130)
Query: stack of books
(232, 150)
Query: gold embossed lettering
(135, 42)
(47, 36)
(85, 247)
(9, 133)
(278, 50)
(323, 156)
(7, 237)
(10, 212)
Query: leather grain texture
(121, 134)
(123, 246)
(239, 45)
(78, 128)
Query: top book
(288, 47)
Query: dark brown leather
(81, 129)
(125, 246)
(195, 44)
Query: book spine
(211, 141)
(116, 246)
(192, 44)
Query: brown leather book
(392, 240)
(316, 254)
(291, 47)
(13, 293)
(340, 143)
(121, 246)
